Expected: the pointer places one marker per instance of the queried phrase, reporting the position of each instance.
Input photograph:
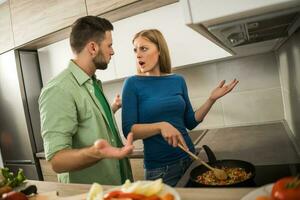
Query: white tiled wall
(256, 99)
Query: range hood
(244, 27)
(278, 25)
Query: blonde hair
(156, 37)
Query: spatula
(219, 173)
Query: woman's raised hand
(222, 89)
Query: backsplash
(256, 99)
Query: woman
(157, 109)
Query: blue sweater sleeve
(130, 106)
(189, 114)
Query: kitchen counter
(65, 190)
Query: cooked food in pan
(235, 175)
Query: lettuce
(10, 179)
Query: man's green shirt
(73, 118)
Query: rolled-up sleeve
(58, 120)
(129, 106)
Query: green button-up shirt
(73, 118)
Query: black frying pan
(221, 163)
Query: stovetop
(265, 174)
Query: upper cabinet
(97, 7)
(185, 45)
(6, 34)
(32, 19)
(244, 27)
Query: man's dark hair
(86, 29)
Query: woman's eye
(134, 50)
(144, 49)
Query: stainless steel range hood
(243, 27)
(271, 26)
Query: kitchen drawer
(137, 165)
(47, 171)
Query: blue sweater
(150, 99)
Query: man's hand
(104, 150)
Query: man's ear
(92, 48)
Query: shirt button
(91, 91)
(112, 140)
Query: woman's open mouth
(141, 63)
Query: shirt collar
(78, 73)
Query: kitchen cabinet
(47, 171)
(186, 46)
(97, 7)
(32, 19)
(137, 166)
(6, 34)
(201, 11)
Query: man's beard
(99, 61)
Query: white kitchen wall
(289, 69)
(256, 99)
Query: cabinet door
(6, 35)
(32, 19)
(186, 46)
(137, 166)
(47, 171)
(97, 7)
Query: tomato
(287, 188)
(168, 196)
(132, 196)
(14, 196)
(113, 194)
(122, 195)
(263, 198)
(5, 189)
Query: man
(81, 138)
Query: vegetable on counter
(139, 190)
(287, 188)
(8, 178)
(5, 189)
(13, 195)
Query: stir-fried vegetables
(235, 175)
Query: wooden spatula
(219, 173)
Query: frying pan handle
(210, 154)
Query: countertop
(66, 190)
